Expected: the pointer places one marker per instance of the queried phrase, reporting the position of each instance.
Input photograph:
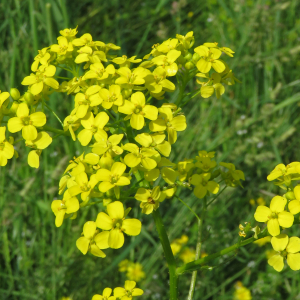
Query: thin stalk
(168, 254)
(209, 203)
(33, 26)
(54, 130)
(197, 264)
(188, 208)
(198, 248)
(57, 117)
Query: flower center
(26, 121)
(138, 109)
(2, 146)
(150, 200)
(85, 187)
(114, 178)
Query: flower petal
(101, 239)
(116, 239)
(96, 251)
(89, 229)
(294, 206)
(105, 186)
(276, 262)
(116, 210)
(142, 194)
(83, 244)
(293, 245)
(129, 285)
(132, 226)
(285, 219)
(137, 121)
(273, 227)
(279, 242)
(277, 204)
(293, 261)
(29, 132)
(262, 214)
(118, 168)
(104, 221)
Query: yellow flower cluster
(177, 244)
(277, 216)
(120, 293)
(134, 271)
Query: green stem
(168, 254)
(209, 203)
(188, 208)
(197, 264)
(33, 26)
(54, 130)
(57, 117)
(198, 248)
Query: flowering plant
(122, 114)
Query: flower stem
(51, 129)
(198, 248)
(168, 254)
(197, 264)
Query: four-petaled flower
(128, 291)
(203, 185)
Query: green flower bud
(290, 195)
(15, 94)
(180, 60)
(188, 56)
(29, 98)
(127, 93)
(196, 57)
(189, 65)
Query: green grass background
(254, 125)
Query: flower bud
(290, 195)
(189, 65)
(127, 93)
(196, 57)
(14, 107)
(188, 56)
(29, 98)
(180, 60)
(15, 94)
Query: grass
(255, 125)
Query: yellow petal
(104, 221)
(276, 262)
(43, 140)
(144, 139)
(179, 123)
(101, 239)
(33, 159)
(277, 204)
(116, 210)
(169, 175)
(285, 219)
(294, 206)
(89, 229)
(273, 226)
(293, 261)
(118, 168)
(107, 292)
(158, 125)
(207, 91)
(213, 187)
(293, 245)
(60, 217)
(83, 244)
(103, 175)
(119, 292)
(15, 124)
(105, 186)
(149, 163)
(37, 88)
(29, 132)
(138, 98)
(116, 239)
(131, 160)
(132, 226)
(72, 205)
(123, 181)
(23, 110)
(200, 191)
(137, 121)
(262, 214)
(142, 195)
(203, 65)
(279, 242)
(52, 83)
(85, 136)
(202, 51)
(218, 66)
(129, 285)
(127, 108)
(96, 251)
(137, 292)
(150, 112)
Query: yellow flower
(112, 178)
(6, 149)
(175, 247)
(209, 58)
(188, 40)
(187, 255)
(42, 141)
(93, 127)
(83, 186)
(115, 224)
(294, 205)
(150, 199)
(106, 295)
(63, 46)
(233, 176)
(92, 240)
(42, 77)
(206, 164)
(86, 54)
(281, 171)
(109, 146)
(42, 58)
(99, 72)
(128, 291)
(26, 122)
(168, 62)
(139, 156)
(274, 216)
(203, 185)
(69, 33)
(203, 154)
(166, 121)
(241, 292)
(124, 61)
(135, 272)
(286, 248)
(154, 141)
(67, 205)
(183, 168)
(132, 77)
(137, 110)
(123, 265)
(84, 101)
(157, 82)
(111, 97)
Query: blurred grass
(255, 125)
